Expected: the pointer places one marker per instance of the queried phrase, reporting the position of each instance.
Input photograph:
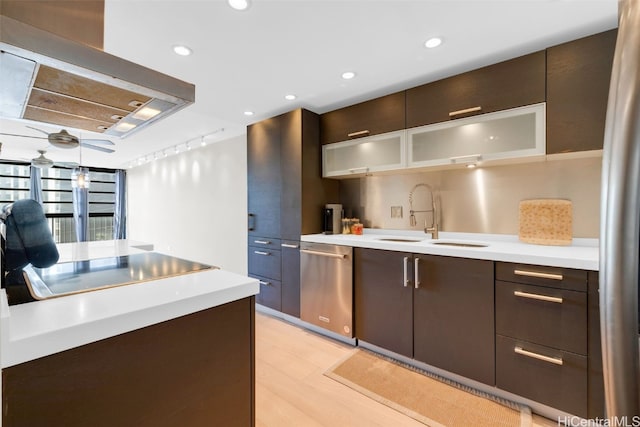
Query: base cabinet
(550, 376)
(192, 371)
(547, 337)
(435, 309)
(453, 315)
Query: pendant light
(80, 175)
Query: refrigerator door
(620, 222)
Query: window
(57, 198)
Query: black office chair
(28, 241)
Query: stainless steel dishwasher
(326, 286)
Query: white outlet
(396, 211)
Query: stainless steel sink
(399, 239)
(461, 244)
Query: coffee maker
(332, 218)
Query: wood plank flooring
(291, 389)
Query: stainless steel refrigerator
(620, 222)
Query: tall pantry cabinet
(286, 194)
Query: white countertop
(581, 254)
(33, 330)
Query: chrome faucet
(434, 212)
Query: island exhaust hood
(50, 79)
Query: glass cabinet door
(364, 155)
(515, 133)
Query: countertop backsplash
(480, 200)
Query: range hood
(51, 79)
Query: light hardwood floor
(291, 389)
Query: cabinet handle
(359, 133)
(288, 245)
(327, 254)
(465, 111)
(251, 222)
(354, 170)
(406, 271)
(265, 283)
(262, 242)
(538, 297)
(262, 253)
(416, 273)
(538, 274)
(554, 360)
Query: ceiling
(249, 60)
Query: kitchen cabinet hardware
(406, 268)
(320, 253)
(471, 158)
(416, 272)
(547, 298)
(262, 253)
(358, 133)
(364, 169)
(538, 274)
(262, 282)
(523, 352)
(465, 111)
(251, 221)
(288, 245)
(262, 242)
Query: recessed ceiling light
(348, 75)
(182, 50)
(433, 42)
(239, 4)
(290, 97)
(248, 113)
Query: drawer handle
(465, 111)
(327, 254)
(262, 242)
(416, 272)
(262, 253)
(288, 245)
(265, 283)
(359, 133)
(538, 274)
(538, 297)
(554, 360)
(406, 271)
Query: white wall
(194, 205)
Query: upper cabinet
(508, 84)
(578, 75)
(380, 115)
(508, 134)
(364, 155)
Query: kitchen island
(165, 352)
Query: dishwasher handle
(325, 254)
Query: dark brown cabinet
(383, 299)
(578, 76)
(453, 318)
(509, 84)
(547, 336)
(446, 320)
(379, 115)
(286, 193)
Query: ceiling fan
(64, 139)
(43, 162)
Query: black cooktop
(90, 275)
